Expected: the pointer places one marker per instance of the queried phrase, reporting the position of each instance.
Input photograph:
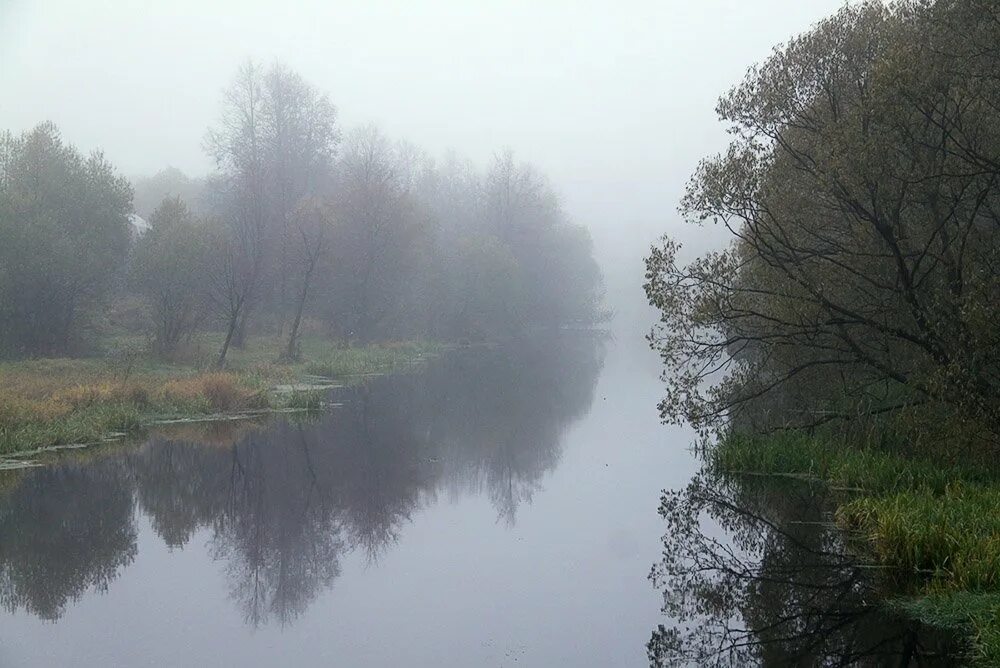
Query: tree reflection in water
(285, 502)
(63, 531)
(754, 573)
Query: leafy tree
(65, 233)
(379, 228)
(559, 279)
(865, 218)
(489, 291)
(171, 268)
(150, 191)
(500, 254)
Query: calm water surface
(496, 508)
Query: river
(495, 508)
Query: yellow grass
(57, 401)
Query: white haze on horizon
(613, 101)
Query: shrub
(221, 391)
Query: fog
(482, 332)
(613, 101)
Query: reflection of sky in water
(497, 508)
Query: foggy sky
(613, 100)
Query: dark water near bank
(497, 508)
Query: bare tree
(313, 222)
(301, 138)
(237, 145)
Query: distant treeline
(862, 193)
(300, 226)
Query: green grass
(936, 523)
(975, 614)
(838, 463)
(342, 362)
(49, 402)
(308, 400)
(80, 426)
(952, 539)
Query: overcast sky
(613, 100)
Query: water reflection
(63, 531)
(754, 573)
(284, 502)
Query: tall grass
(309, 400)
(838, 462)
(62, 401)
(937, 523)
(975, 614)
(951, 539)
(44, 414)
(81, 426)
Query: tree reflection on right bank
(754, 572)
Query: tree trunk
(239, 338)
(291, 353)
(230, 331)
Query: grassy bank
(49, 402)
(936, 523)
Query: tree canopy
(302, 226)
(64, 234)
(861, 193)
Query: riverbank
(54, 402)
(933, 523)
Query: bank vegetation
(849, 329)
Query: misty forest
(456, 334)
(303, 227)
